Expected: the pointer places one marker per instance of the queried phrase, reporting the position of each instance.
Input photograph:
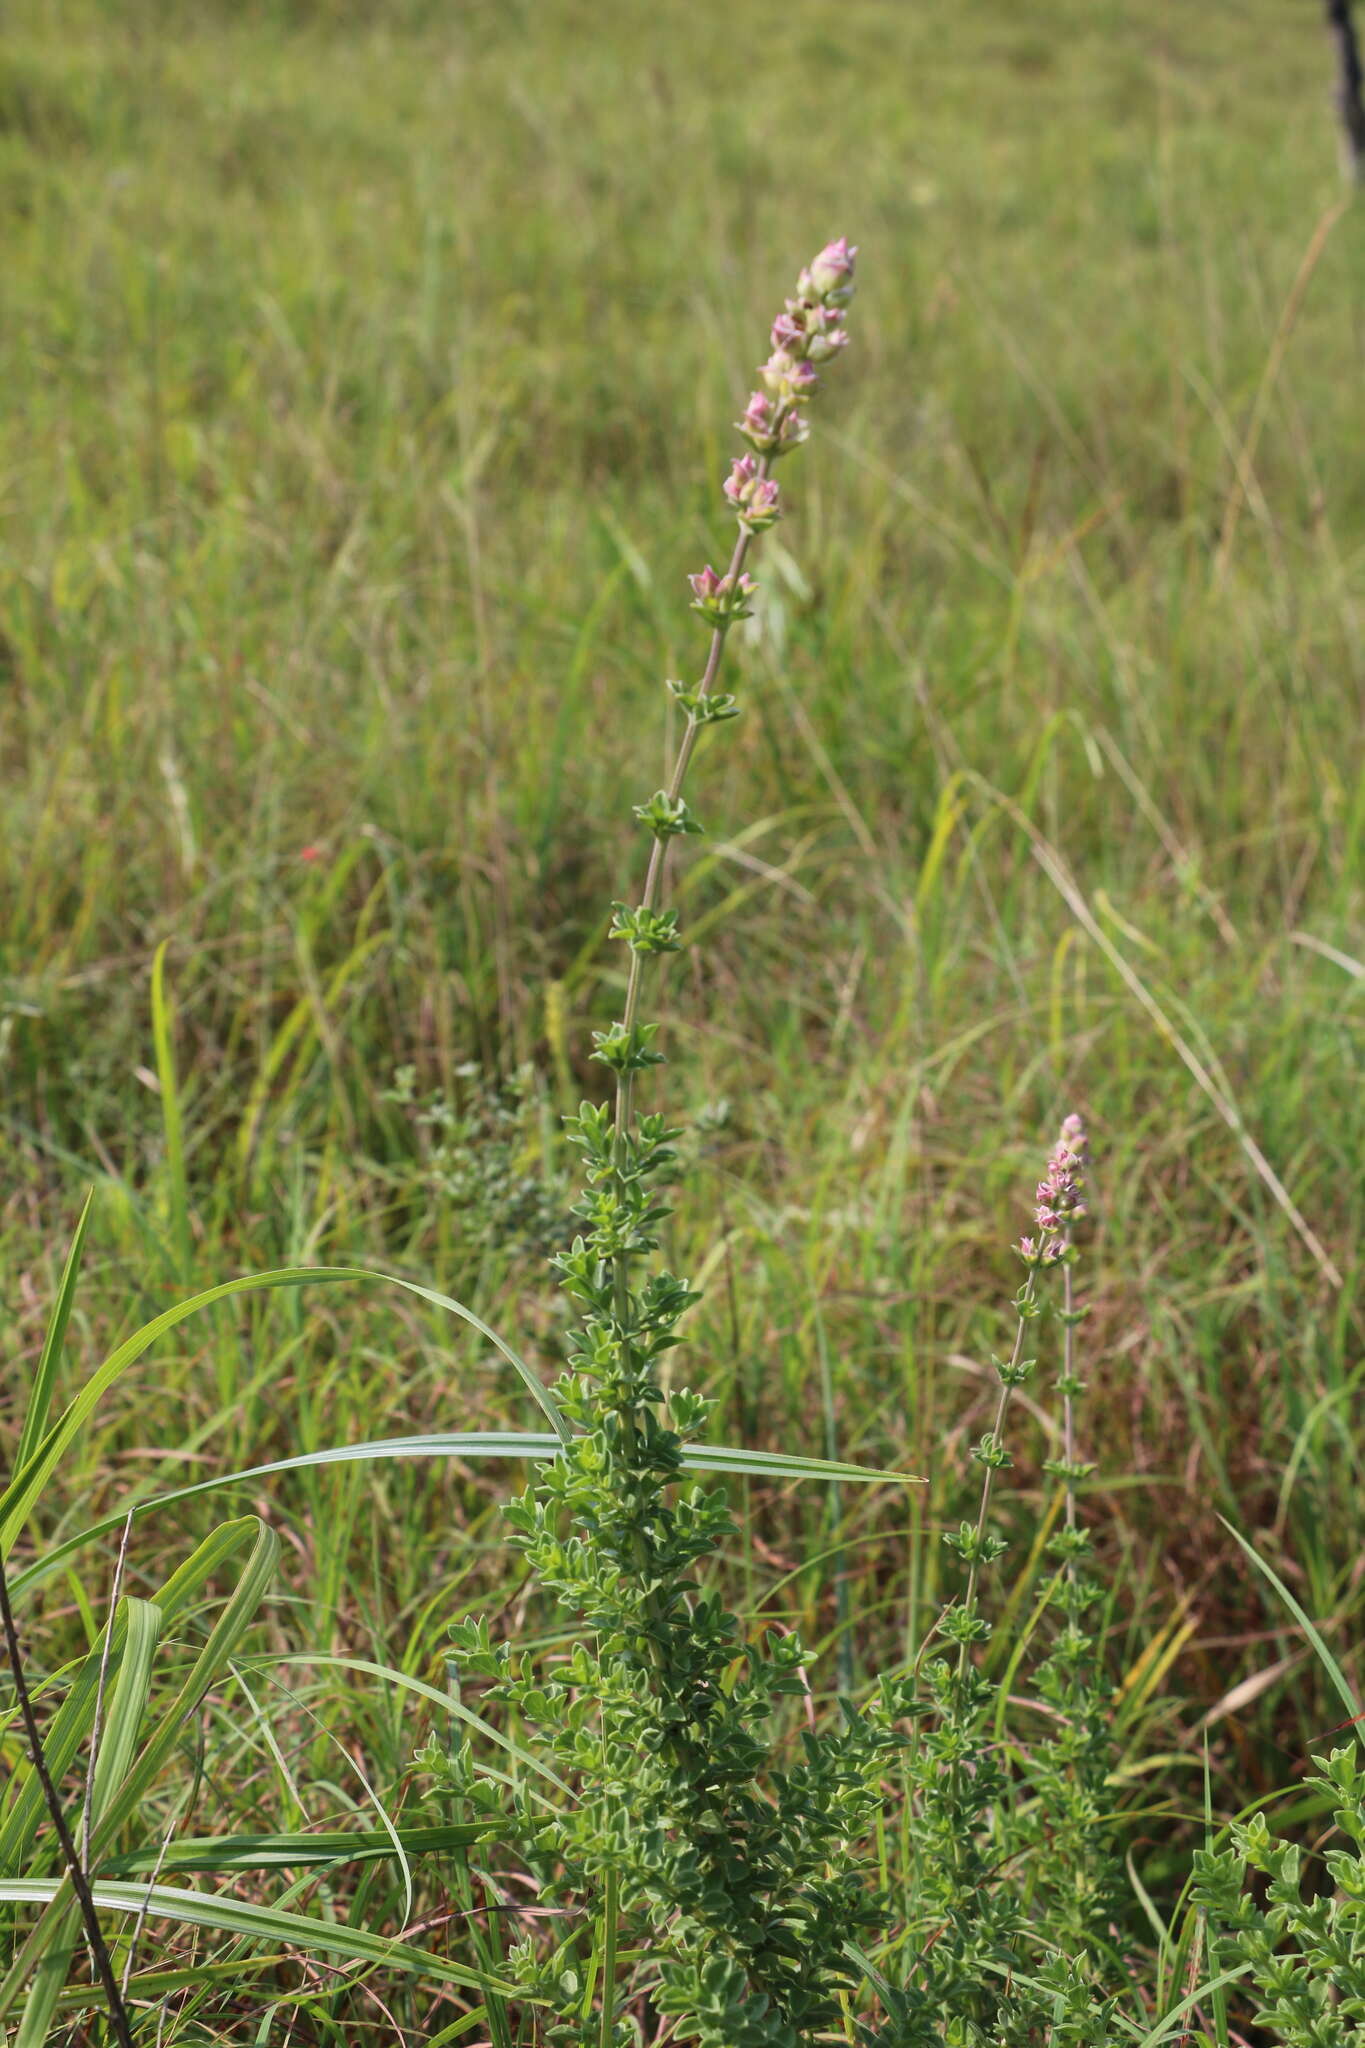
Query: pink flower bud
(720, 599)
(756, 503)
(777, 371)
(789, 332)
(705, 583)
(794, 430)
(738, 485)
(790, 379)
(757, 423)
(832, 271)
(826, 333)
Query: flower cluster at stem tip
(1060, 1199)
(809, 331)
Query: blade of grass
(40, 1400)
(251, 1922)
(717, 1458)
(1329, 1663)
(296, 1851)
(23, 1490)
(172, 1123)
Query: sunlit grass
(368, 385)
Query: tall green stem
(988, 1477)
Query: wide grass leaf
(251, 1922)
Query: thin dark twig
(119, 2024)
(1350, 87)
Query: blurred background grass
(370, 371)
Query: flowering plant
(690, 1825)
(699, 1875)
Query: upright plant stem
(625, 1091)
(1068, 1409)
(654, 875)
(611, 1904)
(988, 1477)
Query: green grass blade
(237, 1614)
(71, 1724)
(488, 1443)
(127, 1704)
(128, 1699)
(49, 1979)
(40, 1400)
(18, 1498)
(1329, 1663)
(62, 1738)
(251, 1922)
(232, 1623)
(1175, 2020)
(297, 1851)
(172, 1123)
(446, 1701)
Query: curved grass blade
(40, 1400)
(251, 1922)
(446, 1701)
(18, 1498)
(127, 1704)
(491, 1443)
(298, 1851)
(73, 1720)
(123, 1801)
(1324, 1655)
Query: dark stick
(118, 2012)
(1350, 80)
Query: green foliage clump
(1300, 1948)
(483, 1151)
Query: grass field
(369, 375)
